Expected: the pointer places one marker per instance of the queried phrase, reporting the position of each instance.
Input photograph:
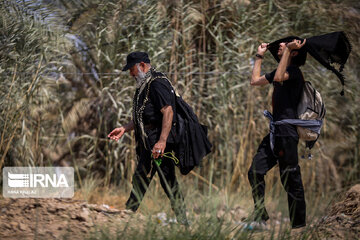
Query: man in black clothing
(153, 116)
(288, 83)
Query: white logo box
(38, 182)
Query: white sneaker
(253, 226)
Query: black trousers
(143, 176)
(285, 153)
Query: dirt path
(75, 219)
(55, 218)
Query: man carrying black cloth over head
(288, 84)
(331, 50)
(153, 117)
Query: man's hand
(117, 133)
(262, 49)
(295, 44)
(256, 78)
(159, 148)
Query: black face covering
(327, 49)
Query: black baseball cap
(135, 57)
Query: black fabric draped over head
(300, 58)
(327, 49)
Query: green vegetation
(55, 110)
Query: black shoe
(298, 226)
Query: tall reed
(205, 47)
